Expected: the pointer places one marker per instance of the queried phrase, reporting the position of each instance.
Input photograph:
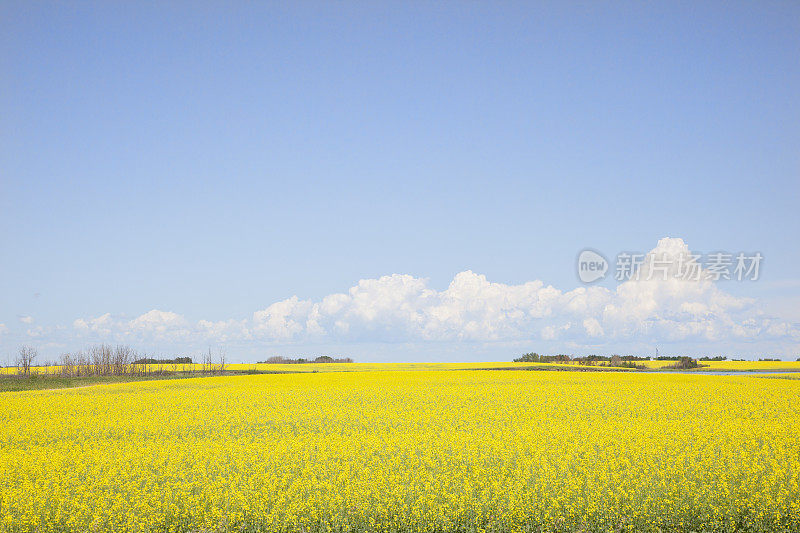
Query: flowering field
(733, 366)
(325, 367)
(405, 451)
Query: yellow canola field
(310, 367)
(743, 366)
(405, 451)
(740, 366)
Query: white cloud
(224, 330)
(159, 324)
(654, 305)
(42, 333)
(153, 325)
(25, 319)
(403, 308)
(659, 305)
(103, 325)
(593, 327)
(283, 320)
(37, 332)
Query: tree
(27, 354)
(684, 363)
(528, 358)
(221, 361)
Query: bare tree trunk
(221, 360)
(27, 354)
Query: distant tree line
(278, 360)
(536, 358)
(105, 360)
(617, 361)
(151, 361)
(620, 360)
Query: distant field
(744, 366)
(317, 367)
(655, 365)
(405, 451)
(43, 378)
(368, 367)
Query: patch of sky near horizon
(211, 161)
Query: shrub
(684, 363)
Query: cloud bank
(403, 308)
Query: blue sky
(208, 161)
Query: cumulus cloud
(160, 324)
(653, 305)
(223, 330)
(25, 319)
(155, 325)
(283, 320)
(103, 325)
(660, 304)
(38, 332)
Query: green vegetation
(45, 382)
(684, 363)
(16, 383)
(536, 358)
(624, 361)
(176, 361)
